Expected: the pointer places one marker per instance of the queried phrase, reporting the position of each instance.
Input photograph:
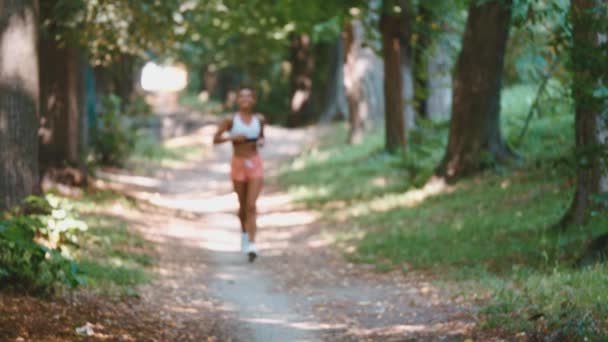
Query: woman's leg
(254, 187)
(241, 191)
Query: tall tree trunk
(475, 134)
(393, 81)
(124, 75)
(62, 96)
(303, 63)
(363, 78)
(353, 90)
(209, 80)
(589, 56)
(336, 105)
(19, 96)
(118, 78)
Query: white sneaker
(252, 251)
(244, 242)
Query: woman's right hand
(238, 139)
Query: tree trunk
(303, 63)
(393, 81)
(123, 76)
(363, 78)
(62, 149)
(19, 96)
(475, 138)
(210, 80)
(118, 78)
(589, 71)
(336, 105)
(354, 90)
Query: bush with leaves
(113, 139)
(33, 245)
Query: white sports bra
(251, 130)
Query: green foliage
(491, 234)
(137, 107)
(113, 139)
(107, 257)
(194, 101)
(109, 29)
(147, 149)
(33, 241)
(116, 258)
(564, 303)
(538, 39)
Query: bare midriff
(245, 149)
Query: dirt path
(300, 289)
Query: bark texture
(475, 140)
(19, 96)
(390, 27)
(589, 55)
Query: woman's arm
(262, 119)
(223, 127)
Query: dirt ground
(300, 289)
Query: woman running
(246, 132)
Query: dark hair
(248, 86)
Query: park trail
(300, 288)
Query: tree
(19, 92)
(62, 102)
(475, 139)
(390, 27)
(363, 76)
(588, 65)
(302, 68)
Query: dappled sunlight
(18, 53)
(287, 219)
(221, 168)
(270, 202)
(221, 240)
(286, 323)
(408, 199)
(214, 204)
(133, 180)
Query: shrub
(33, 241)
(138, 106)
(113, 139)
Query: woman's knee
(251, 209)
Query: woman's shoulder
(227, 120)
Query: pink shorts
(243, 169)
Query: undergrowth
(491, 234)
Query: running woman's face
(246, 99)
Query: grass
(492, 233)
(113, 259)
(148, 149)
(200, 103)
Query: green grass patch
(148, 149)
(200, 103)
(113, 258)
(491, 233)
